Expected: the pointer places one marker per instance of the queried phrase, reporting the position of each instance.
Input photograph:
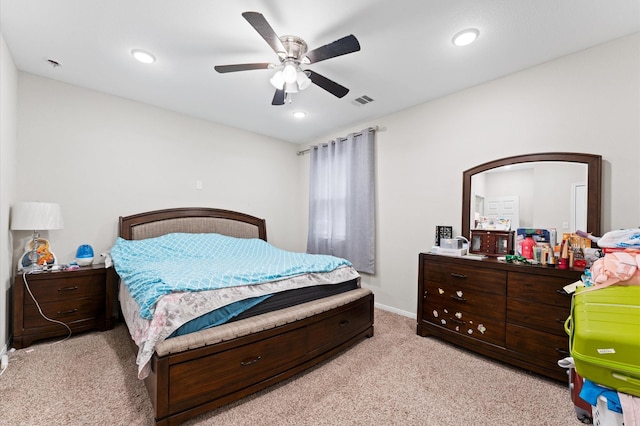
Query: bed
(193, 373)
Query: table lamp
(35, 216)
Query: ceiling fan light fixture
(303, 80)
(277, 80)
(291, 87)
(465, 37)
(290, 73)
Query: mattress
(271, 303)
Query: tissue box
(450, 243)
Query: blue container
(84, 255)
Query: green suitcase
(604, 336)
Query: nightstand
(80, 298)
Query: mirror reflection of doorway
(578, 207)
(505, 207)
(478, 209)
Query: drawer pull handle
(563, 351)
(560, 321)
(252, 361)
(69, 312)
(459, 276)
(344, 323)
(459, 299)
(456, 320)
(68, 288)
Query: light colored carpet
(394, 378)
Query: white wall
(587, 102)
(102, 156)
(72, 145)
(8, 108)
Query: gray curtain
(342, 200)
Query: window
(342, 200)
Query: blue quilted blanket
(153, 267)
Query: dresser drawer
(235, 369)
(543, 289)
(463, 297)
(462, 276)
(470, 324)
(537, 347)
(62, 289)
(538, 316)
(66, 311)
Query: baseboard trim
(396, 311)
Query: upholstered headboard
(191, 220)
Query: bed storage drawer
(328, 334)
(235, 369)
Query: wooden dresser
(513, 313)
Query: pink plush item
(621, 268)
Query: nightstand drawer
(66, 311)
(62, 289)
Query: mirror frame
(594, 182)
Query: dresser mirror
(545, 190)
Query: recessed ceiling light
(465, 37)
(142, 56)
(299, 114)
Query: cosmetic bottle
(527, 247)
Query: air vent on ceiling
(362, 100)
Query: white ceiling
(406, 55)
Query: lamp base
(34, 268)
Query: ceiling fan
(292, 52)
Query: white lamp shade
(289, 73)
(303, 80)
(36, 216)
(291, 88)
(277, 80)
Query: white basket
(602, 416)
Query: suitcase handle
(627, 379)
(567, 325)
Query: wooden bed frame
(200, 372)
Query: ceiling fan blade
(278, 97)
(260, 24)
(328, 85)
(242, 67)
(348, 44)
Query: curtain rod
(304, 151)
